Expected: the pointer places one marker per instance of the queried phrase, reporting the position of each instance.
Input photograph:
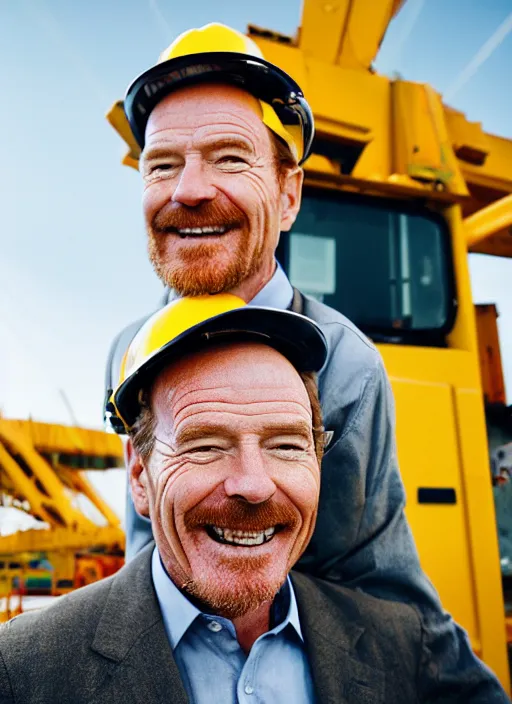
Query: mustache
(240, 515)
(174, 216)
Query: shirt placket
(247, 690)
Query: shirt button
(248, 689)
(214, 626)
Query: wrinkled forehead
(206, 104)
(245, 375)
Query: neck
(251, 286)
(251, 626)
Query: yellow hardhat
(190, 324)
(217, 53)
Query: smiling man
(221, 404)
(220, 228)
(223, 134)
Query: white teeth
(209, 230)
(242, 537)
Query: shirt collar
(179, 613)
(277, 293)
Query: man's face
(213, 202)
(232, 484)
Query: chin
(235, 595)
(201, 279)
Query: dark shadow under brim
(296, 337)
(257, 76)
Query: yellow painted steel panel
(346, 32)
(360, 104)
(441, 438)
(422, 148)
(323, 26)
(428, 455)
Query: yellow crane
(399, 187)
(42, 474)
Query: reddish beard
(246, 584)
(207, 267)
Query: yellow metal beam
(36, 541)
(345, 32)
(489, 221)
(35, 482)
(81, 485)
(49, 438)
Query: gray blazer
(362, 539)
(106, 643)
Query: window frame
(429, 337)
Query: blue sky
(73, 268)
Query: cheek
(304, 491)
(154, 197)
(183, 489)
(255, 194)
(302, 486)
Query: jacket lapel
(331, 634)
(140, 668)
(131, 636)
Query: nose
(250, 480)
(194, 185)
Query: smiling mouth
(243, 538)
(205, 231)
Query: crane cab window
(385, 268)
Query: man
(226, 442)
(223, 133)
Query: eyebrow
(160, 151)
(199, 432)
(155, 152)
(229, 143)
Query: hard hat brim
(296, 337)
(262, 79)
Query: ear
(137, 476)
(291, 193)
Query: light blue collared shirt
(277, 293)
(213, 667)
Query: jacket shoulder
(79, 609)
(384, 635)
(52, 645)
(335, 325)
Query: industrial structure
(75, 533)
(399, 188)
